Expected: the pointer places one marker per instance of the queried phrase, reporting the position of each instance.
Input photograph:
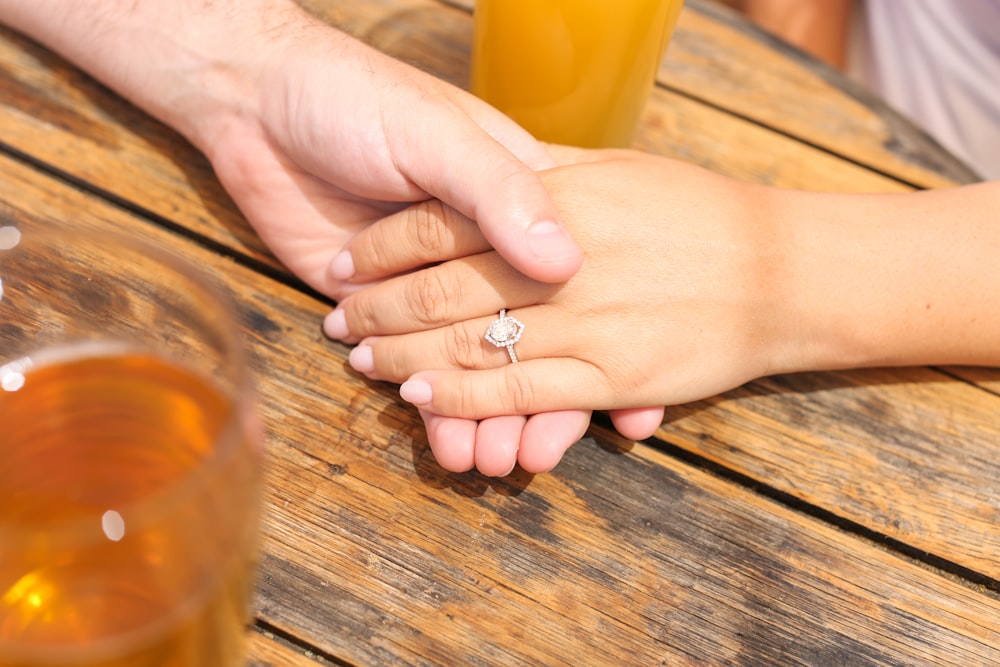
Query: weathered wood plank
(266, 651)
(675, 126)
(984, 377)
(908, 453)
(724, 60)
(375, 556)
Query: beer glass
(130, 456)
(574, 72)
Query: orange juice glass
(574, 72)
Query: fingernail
(417, 392)
(342, 266)
(550, 241)
(361, 359)
(335, 325)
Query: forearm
(186, 62)
(892, 280)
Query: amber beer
(574, 72)
(130, 450)
(130, 485)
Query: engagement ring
(504, 332)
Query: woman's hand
(673, 302)
(692, 284)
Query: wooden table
(821, 519)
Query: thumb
(475, 174)
(517, 217)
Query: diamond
(505, 331)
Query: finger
(530, 387)
(452, 441)
(544, 438)
(419, 235)
(548, 435)
(502, 194)
(435, 297)
(460, 346)
(303, 220)
(638, 423)
(497, 442)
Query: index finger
(426, 233)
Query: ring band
(504, 332)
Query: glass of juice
(574, 72)
(130, 456)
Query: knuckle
(373, 249)
(430, 235)
(392, 364)
(513, 392)
(362, 316)
(431, 297)
(467, 398)
(518, 390)
(466, 347)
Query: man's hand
(313, 134)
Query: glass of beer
(130, 456)
(574, 72)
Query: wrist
(820, 317)
(203, 76)
(255, 76)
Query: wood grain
(988, 378)
(375, 556)
(908, 453)
(721, 59)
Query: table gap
(958, 377)
(297, 644)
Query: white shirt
(937, 62)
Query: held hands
(671, 305)
(316, 136)
(345, 135)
